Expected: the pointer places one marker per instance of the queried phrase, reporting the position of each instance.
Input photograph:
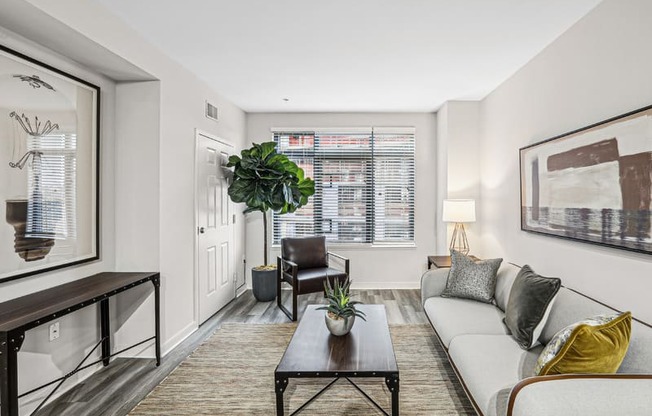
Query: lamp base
(458, 240)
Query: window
(364, 185)
(51, 185)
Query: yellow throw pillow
(589, 348)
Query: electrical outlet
(54, 331)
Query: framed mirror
(49, 168)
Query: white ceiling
(351, 55)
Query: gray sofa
(497, 374)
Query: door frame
(218, 139)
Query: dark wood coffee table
(367, 351)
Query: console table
(24, 313)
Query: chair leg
(279, 299)
(279, 283)
(294, 304)
(284, 309)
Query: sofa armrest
(433, 283)
(582, 394)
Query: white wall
(371, 267)
(442, 240)
(41, 360)
(458, 169)
(137, 206)
(181, 111)
(155, 229)
(598, 69)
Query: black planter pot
(263, 284)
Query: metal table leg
(157, 317)
(10, 344)
(279, 386)
(105, 330)
(392, 382)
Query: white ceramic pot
(339, 326)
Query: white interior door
(215, 229)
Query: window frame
(371, 157)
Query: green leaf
(233, 161)
(339, 299)
(264, 179)
(266, 149)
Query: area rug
(232, 373)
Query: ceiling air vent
(211, 111)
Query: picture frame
(49, 168)
(592, 184)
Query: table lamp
(459, 211)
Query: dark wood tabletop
(20, 311)
(367, 348)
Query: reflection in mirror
(48, 140)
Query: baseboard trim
(146, 350)
(29, 404)
(384, 285)
(242, 289)
(178, 338)
(377, 286)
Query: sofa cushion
(471, 280)
(570, 307)
(530, 301)
(490, 366)
(504, 280)
(595, 345)
(312, 280)
(639, 354)
(452, 317)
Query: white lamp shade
(459, 210)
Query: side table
(443, 261)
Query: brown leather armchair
(304, 264)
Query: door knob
(202, 230)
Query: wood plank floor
(118, 388)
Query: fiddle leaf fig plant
(264, 180)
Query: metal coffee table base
(391, 380)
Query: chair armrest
(345, 259)
(433, 283)
(281, 266)
(582, 394)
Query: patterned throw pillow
(594, 345)
(471, 280)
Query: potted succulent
(341, 310)
(265, 180)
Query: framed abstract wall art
(593, 184)
(49, 168)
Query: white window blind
(51, 187)
(364, 185)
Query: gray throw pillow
(530, 301)
(471, 280)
